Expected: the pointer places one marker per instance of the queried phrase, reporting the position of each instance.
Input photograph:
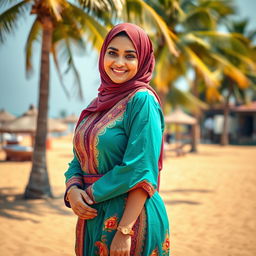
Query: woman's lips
(118, 71)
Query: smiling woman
(120, 60)
(112, 181)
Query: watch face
(126, 231)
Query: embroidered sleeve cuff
(75, 181)
(145, 185)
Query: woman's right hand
(79, 201)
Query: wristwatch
(125, 230)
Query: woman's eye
(112, 53)
(130, 56)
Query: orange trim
(80, 231)
(74, 180)
(147, 186)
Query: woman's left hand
(121, 245)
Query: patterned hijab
(110, 93)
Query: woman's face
(120, 60)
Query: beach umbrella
(70, 119)
(26, 123)
(178, 116)
(6, 116)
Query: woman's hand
(121, 245)
(79, 201)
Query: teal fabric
(128, 152)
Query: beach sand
(209, 196)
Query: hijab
(110, 93)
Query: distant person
(209, 126)
(112, 180)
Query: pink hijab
(109, 93)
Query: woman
(112, 180)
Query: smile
(118, 71)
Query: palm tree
(184, 19)
(193, 26)
(59, 23)
(243, 58)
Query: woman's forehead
(121, 43)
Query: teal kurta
(125, 146)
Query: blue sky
(17, 92)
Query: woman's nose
(119, 62)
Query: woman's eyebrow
(115, 49)
(112, 48)
(133, 51)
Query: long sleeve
(73, 177)
(144, 125)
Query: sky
(17, 92)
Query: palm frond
(220, 8)
(10, 18)
(56, 62)
(56, 6)
(8, 2)
(153, 21)
(33, 36)
(199, 19)
(176, 97)
(210, 78)
(232, 71)
(72, 67)
(192, 38)
(235, 41)
(166, 70)
(92, 29)
(242, 59)
(213, 95)
(102, 8)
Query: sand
(209, 196)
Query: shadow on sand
(183, 192)
(12, 204)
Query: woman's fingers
(84, 214)
(79, 206)
(86, 197)
(86, 207)
(85, 211)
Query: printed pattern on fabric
(75, 180)
(80, 231)
(109, 119)
(102, 248)
(111, 223)
(166, 244)
(79, 142)
(154, 252)
(140, 229)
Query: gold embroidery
(154, 253)
(141, 233)
(109, 120)
(90, 164)
(166, 244)
(102, 248)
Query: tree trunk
(39, 185)
(224, 136)
(196, 127)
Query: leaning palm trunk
(38, 185)
(196, 127)
(224, 136)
